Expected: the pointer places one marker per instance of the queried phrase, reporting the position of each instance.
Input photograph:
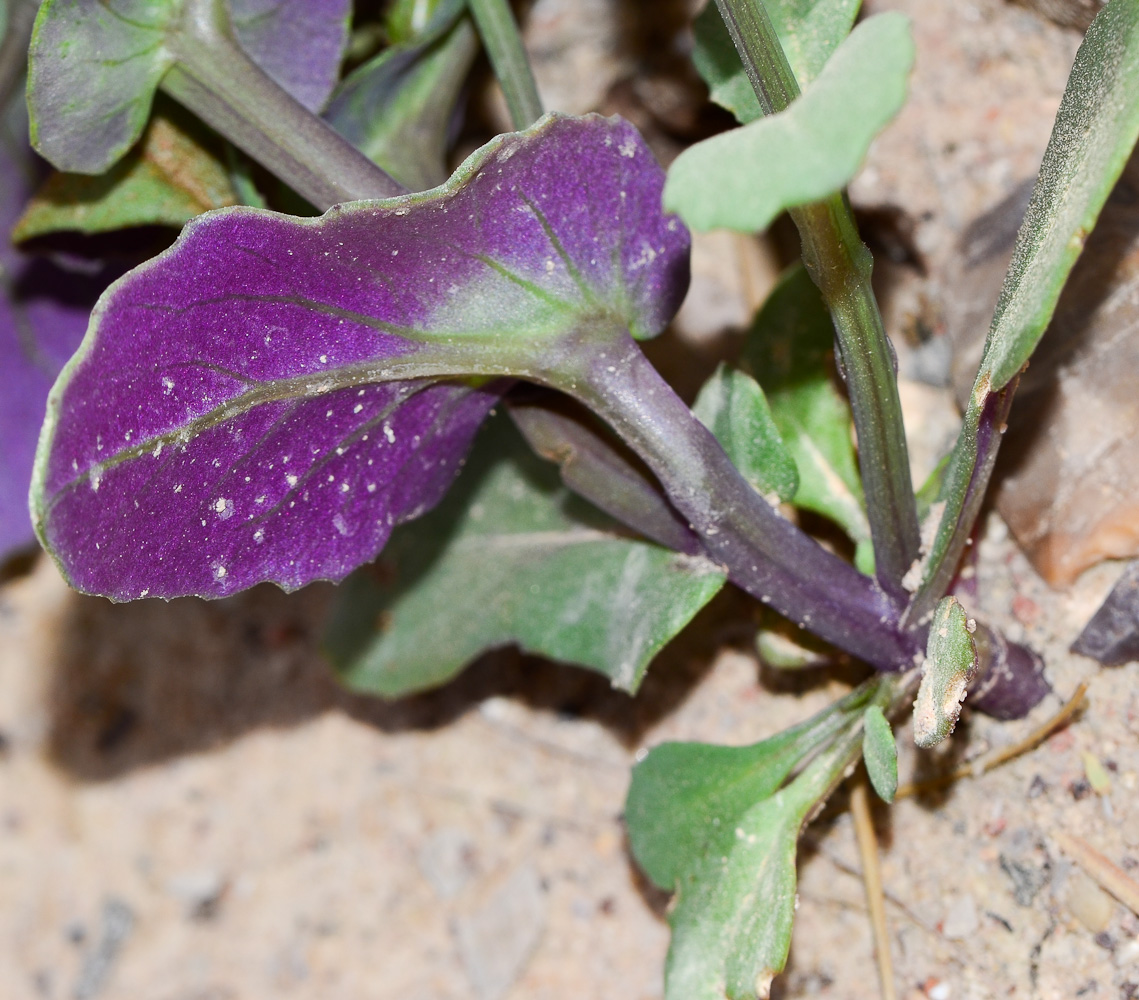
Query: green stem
(503, 43)
(840, 265)
(814, 784)
(216, 80)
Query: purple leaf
(299, 43)
(269, 397)
(93, 65)
(43, 313)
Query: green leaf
(93, 67)
(809, 30)
(732, 406)
(511, 557)
(731, 925)
(744, 178)
(880, 751)
(950, 663)
(790, 352)
(407, 21)
(397, 108)
(713, 823)
(1096, 128)
(168, 178)
(683, 796)
(90, 101)
(782, 644)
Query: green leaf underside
(744, 178)
(790, 350)
(397, 108)
(731, 926)
(67, 82)
(713, 823)
(950, 662)
(167, 179)
(1095, 131)
(684, 796)
(880, 752)
(732, 406)
(809, 30)
(511, 557)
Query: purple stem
(764, 553)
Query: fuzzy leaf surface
(1095, 131)
(714, 824)
(880, 752)
(512, 557)
(732, 406)
(398, 107)
(809, 31)
(299, 43)
(683, 796)
(268, 398)
(790, 350)
(93, 67)
(744, 178)
(731, 925)
(950, 663)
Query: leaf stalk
(215, 79)
(764, 553)
(840, 265)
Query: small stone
(448, 860)
(496, 940)
(961, 919)
(1088, 903)
(199, 892)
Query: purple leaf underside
(43, 313)
(299, 43)
(268, 398)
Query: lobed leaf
(94, 65)
(744, 178)
(686, 796)
(1096, 128)
(809, 31)
(398, 107)
(268, 398)
(511, 557)
(790, 351)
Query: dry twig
(872, 881)
(1030, 742)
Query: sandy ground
(191, 809)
